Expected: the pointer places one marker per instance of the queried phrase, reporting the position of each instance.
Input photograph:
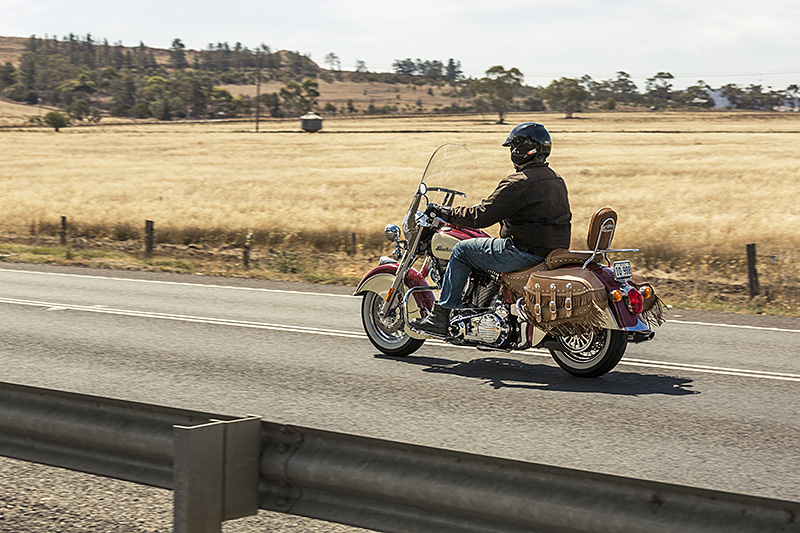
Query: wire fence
(759, 278)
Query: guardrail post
(216, 473)
(242, 453)
(199, 478)
(752, 273)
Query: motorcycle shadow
(511, 373)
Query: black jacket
(532, 207)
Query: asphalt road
(711, 402)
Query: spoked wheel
(592, 354)
(386, 333)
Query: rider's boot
(436, 323)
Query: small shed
(311, 122)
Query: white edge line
(307, 293)
(761, 328)
(182, 283)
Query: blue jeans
(497, 255)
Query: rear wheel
(386, 333)
(592, 354)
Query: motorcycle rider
(532, 207)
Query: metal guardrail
(223, 467)
(209, 461)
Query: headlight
(392, 232)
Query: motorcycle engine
(487, 328)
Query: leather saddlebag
(568, 301)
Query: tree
(566, 94)
(56, 120)
(623, 87)
(453, 71)
(300, 98)
(79, 109)
(123, 94)
(272, 102)
(220, 103)
(499, 87)
(404, 66)
(361, 66)
(755, 97)
(177, 55)
(6, 75)
(793, 92)
(659, 88)
(696, 95)
(333, 61)
(732, 92)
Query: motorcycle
(578, 305)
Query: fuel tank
(443, 241)
(442, 245)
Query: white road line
(307, 293)
(761, 328)
(759, 374)
(185, 318)
(181, 283)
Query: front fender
(380, 279)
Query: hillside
(10, 49)
(338, 90)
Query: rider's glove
(436, 210)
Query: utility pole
(258, 90)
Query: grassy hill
(10, 49)
(339, 91)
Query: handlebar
(450, 194)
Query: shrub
(56, 120)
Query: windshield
(452, 167)
(449, 179)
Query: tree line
(500, 88)
(87, 79)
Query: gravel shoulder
(38, 499)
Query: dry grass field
(15, 114)
(690, 189)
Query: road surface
(711, 402)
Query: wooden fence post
(148, 238)
(752, 273)
(63, 234)
(248, 243)
(354, 244)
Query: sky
(719, 42)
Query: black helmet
(529, 141)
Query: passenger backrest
(601, 229)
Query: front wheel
(592, 354)
(386, 333)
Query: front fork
(402, 270)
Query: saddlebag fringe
(593, 320)
(566, 301)
(654, 316)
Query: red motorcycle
(577, 304)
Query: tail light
(635, 302)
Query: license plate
(622, 270)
